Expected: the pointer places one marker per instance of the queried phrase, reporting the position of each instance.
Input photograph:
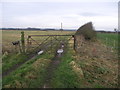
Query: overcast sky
(50, 13)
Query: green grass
(12, 59)
(109, 39)
(19, 74)
(64, 76)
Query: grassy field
(109, 39)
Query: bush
(87, 31)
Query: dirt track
(51, 68)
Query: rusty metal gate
(42, 42)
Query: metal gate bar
(51, 35)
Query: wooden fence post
(106, 42)
(114, 44)
(23, 41)
(28, 43)
(19, 48)
(74, 43)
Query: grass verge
(12, 59)
(29, 75)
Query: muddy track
(51, 68)
(50, 72)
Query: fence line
(111, 43)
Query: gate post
(74, 42)
(23, 41)
(19, 47)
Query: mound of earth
(99, 65)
